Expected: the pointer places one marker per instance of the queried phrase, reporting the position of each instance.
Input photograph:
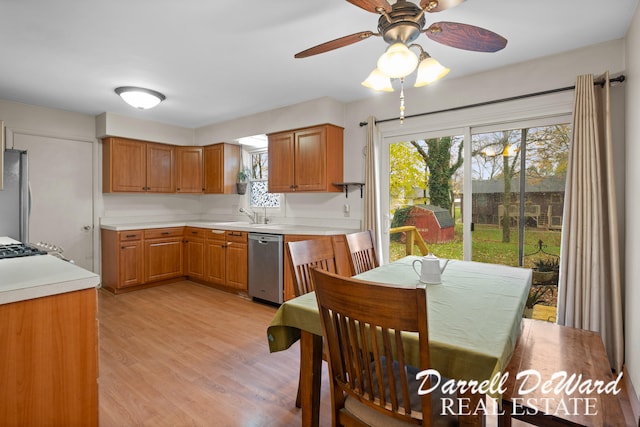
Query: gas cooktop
(16, 250)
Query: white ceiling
(217, 60)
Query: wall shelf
(346, 185)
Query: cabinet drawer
(237, 236)
(216, 235)
(128, 236)
(157, 233)
(195, 232)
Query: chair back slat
(363, 324)
(307, 254)
(362, 249)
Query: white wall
(110, 124)
(57, 123)
(632, 272)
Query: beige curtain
(589, 292)
(371, 202)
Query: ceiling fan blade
(372, 5)
(440, 5)
(464, 36)
(335, 44)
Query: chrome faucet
(252, 215)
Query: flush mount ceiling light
(140, 97)
(400, 25)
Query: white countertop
(40, 276)
(236, 226)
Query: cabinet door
(310, 160)
(163, 258)
(130, 264)
(237, 266)
(161, 168)
(221, 165)
(124, 165)
(194, 258)
(189, 177)
(213, 168)
(215, 253)
(281, 163)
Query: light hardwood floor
(188, 355)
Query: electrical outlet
(346, 209)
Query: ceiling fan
(404, 21)
(400, 25)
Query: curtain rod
(600, 83)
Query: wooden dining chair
(363, 251)
(306, 254)
(371, 382)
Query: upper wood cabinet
(124, 165)
(308, 159)
(190, 175)
(161, 168)
(136, 166)
(221, 165)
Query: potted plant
(545, 271)
(242, 180)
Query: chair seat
(373, 417)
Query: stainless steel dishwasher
(265, 267)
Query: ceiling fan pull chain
(401, 101)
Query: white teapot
(430, 271)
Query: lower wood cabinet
(49, 353)
(226, 259)
(194, 241)
(163, 253)
(134, 258)
(215, 257)
(237, 262)
(122, 259)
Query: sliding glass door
(503, 205)
(518, 175)
(425, 186)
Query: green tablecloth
(474, 315)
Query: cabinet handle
(131, 235)
(194, 232)
(164, 233)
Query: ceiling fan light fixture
(429, 71)
(140, 98)
(377, 80)
(398, 61)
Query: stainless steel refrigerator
(14, 196)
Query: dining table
(474, 318)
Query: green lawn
(488, 246)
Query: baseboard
(631, 396)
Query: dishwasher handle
(265, 239)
